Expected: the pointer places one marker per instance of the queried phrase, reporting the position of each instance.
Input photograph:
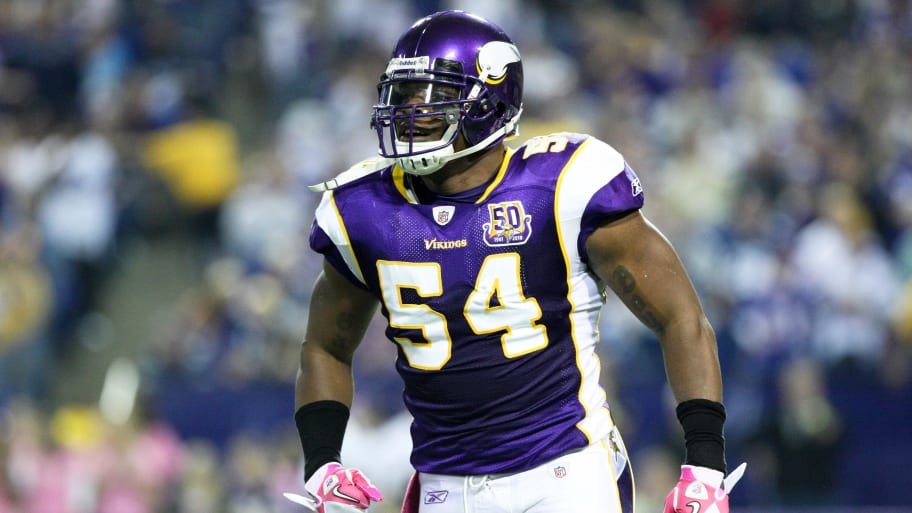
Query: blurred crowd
(773, 140)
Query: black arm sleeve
(321, 426)
(704, 444)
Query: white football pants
(596, 479)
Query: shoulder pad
(361, 169)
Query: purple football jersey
(489, 300)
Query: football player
(489, 265)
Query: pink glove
(336, 489)
(702, 490)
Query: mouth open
(417, 133)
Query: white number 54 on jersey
(512, 313)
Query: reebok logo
(635, 187)
(436, 497)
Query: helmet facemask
(423, 111)
(419, 115)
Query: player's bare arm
(643, 269)
(339, 316)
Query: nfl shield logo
(442, 215)
(560, 472)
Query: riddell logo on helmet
(399, 63)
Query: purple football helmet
(451, 66)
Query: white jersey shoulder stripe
(329, 218)
(593, 166)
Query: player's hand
(336, 489)
(702, 490)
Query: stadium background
(154, 275)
